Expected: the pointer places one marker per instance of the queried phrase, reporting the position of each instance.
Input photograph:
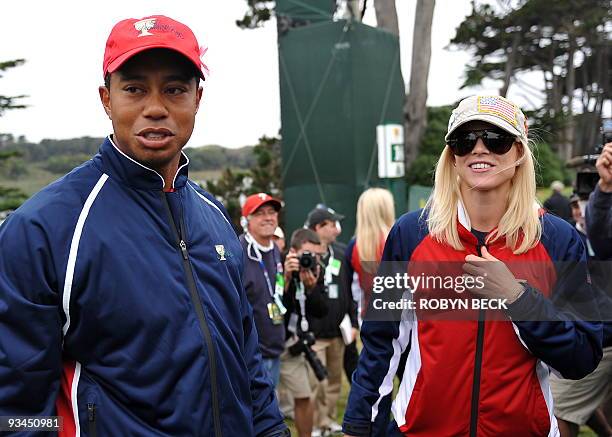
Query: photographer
(304, 298)
(579, 402)
(599, 208)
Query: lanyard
(300, 296)
(328, 270)
(252, 244)
(267, 276)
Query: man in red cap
(263, 277)
(122, 307)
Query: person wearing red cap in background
(263, 277)
(122, 308)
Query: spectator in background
(263, 277)
(577, 207)
(599, 208)
(325, 222)
(279, 238)
(375, 217)
(578, 403)
(304, 299)
(557, 203)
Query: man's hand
(292, 264)
(499, 282)
(604, 168)
(307, 276)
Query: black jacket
(316, 304)
(559, 205)
(328, 326)
(599, 223)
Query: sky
(63, 44)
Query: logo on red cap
(143, 26)
(254, 201)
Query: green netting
(311, 10)
(338, 82)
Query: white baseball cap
(496, 110)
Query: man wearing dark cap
(122, 308)
(263, 277)
(342, 310)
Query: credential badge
(143, 26)
(220, 252)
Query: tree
(10, 198)
(267, 172)
(258, 12)
(386, 16)
(568, 41)
(6, 102)
(264, 176)
(415, 107)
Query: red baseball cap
(132, 36)
(254, 201)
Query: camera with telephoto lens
(303, 346)
(586, 174)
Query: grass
(32, 182)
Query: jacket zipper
(180, 236)
(91, 420)
(477, 367)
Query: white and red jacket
(473, 377)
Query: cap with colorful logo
(254, 201)
(496, 110)
(132, 36)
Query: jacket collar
(464, 227)
(125, 169)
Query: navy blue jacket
(122, 309)
(271, 336)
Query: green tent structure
(339, 80)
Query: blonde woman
(478, 372)
(375, 217)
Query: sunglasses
(463, 142)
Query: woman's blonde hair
(520, 224)
(375, 216)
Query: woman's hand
(499, 282)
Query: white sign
(390, 139)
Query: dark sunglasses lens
(498, 143)
(462, 143)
